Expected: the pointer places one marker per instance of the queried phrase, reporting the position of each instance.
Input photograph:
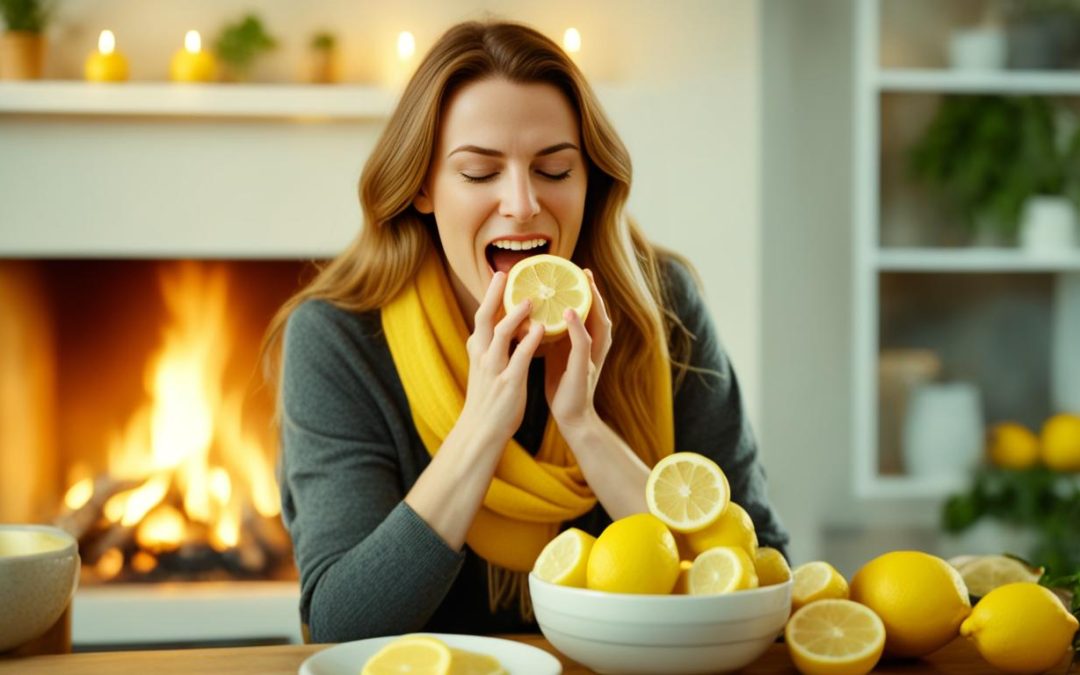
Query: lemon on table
(724, 569)
(921, 598)
(1012, 446)
(835, 637)
(1021, 628)
(814, 581)
(636, 554)
(771, 566)
(413, 654)
(733, 528)
(471, 663)
(1061, 442)
(687, 491)
(984, 573)
(554, 285)
(565, 559)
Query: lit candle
(192, 64)
(106, 64)
(406, 45)
(572, 41)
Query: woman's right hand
(495, 397)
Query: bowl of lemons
(684, 588)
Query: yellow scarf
(529, 497)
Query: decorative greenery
(240, 43)
(323, 41)
(1070, 583)
(985, 155)
(26, 15)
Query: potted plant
(22, 45)
(240, 44)
(324, 58)
(987, 156)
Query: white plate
(348, 658)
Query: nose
(519, 199)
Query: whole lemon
(1020, 628)
(920, 597)
(733, 528)
(1012, 446)
(636, 554)
(1061, 442)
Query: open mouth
(501, 259)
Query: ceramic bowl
(39, 570)
(671, 634)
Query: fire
(196, 471)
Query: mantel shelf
(978, 82)
(58, 97)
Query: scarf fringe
(507, 587)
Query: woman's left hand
(572, 366)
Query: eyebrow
(496, 153)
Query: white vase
(979, 48)
(1048, 225)
(943, 431)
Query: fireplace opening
(134, 414)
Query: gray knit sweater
(369, 565)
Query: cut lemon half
(814, 581)
(565, 559)
(835, 637)
(724, 569)
(471, 663)
(554, 285)
(687, 491)
(771, 566)
(412, 654)
(984, 573)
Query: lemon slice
(565, 559)
(814, 581)
(471, 663)
(723, 569)
(835, 637)
(687, 491)
(554, 285)
(734, 527)
(412, 654)
(984, 573)
(771, 567)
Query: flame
(106, 42)
(186, 449)
(192, 41)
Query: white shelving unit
(331, 102)
(872, 260)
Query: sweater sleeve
(710, 418)
(369, 565)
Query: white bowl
(671, 634)
(39, 570)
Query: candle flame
(192, 41)
(106, 42)
(406, 45)
(572, 40)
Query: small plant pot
(324, 66)
(1048, 225)
(22, 55)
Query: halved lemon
(565, 559)
(554, 285)
(835, 637)
(471, 663)
(814, 581)
(724, 569)
(771, 566)
(984, 573)
(687, 491)
(413, 654)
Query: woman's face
(507, 181)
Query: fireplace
(133, 413)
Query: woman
(432, 444)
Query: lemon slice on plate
(471, 663)
(413, 654)
(687, 491)
(724, 569)
(838, 637)
(565, 559)
(554, 285)
(814, 581)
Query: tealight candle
(106, 64)
(192, 64)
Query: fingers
(526, 348)
(507, 327)
(484, 320)
(598, 323)
(577, 365)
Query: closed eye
(483, 179)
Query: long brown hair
(395, 236)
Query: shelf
(975, 260)
(56, 97)
(909, 487)
(978, 82)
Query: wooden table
(958, 658)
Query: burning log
(81, 521)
